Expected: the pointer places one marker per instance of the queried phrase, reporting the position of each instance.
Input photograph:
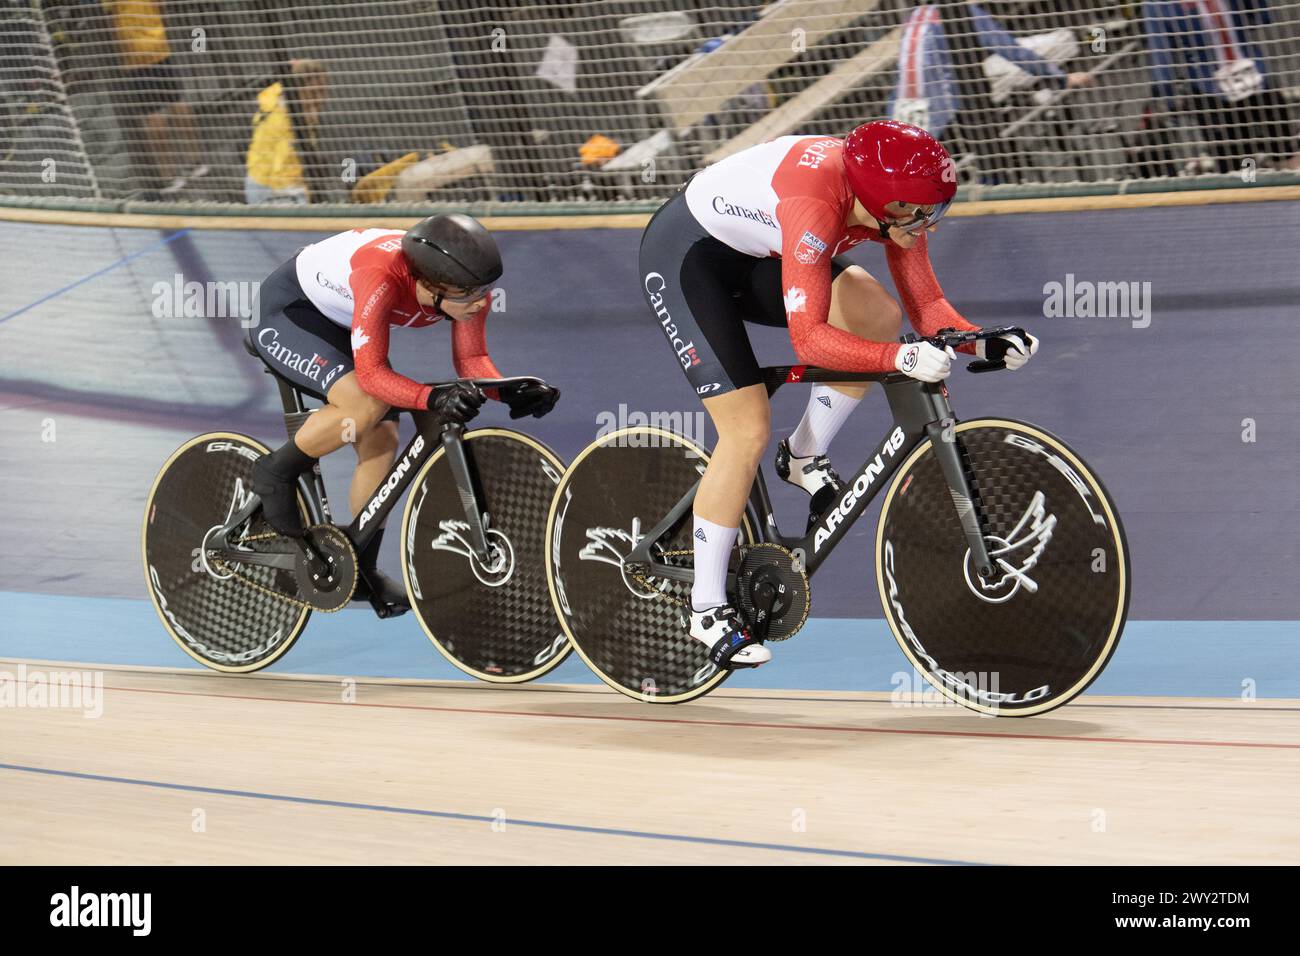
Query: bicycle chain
(645, 582)
(221, 565)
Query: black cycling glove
(529, 398)
(456, 401)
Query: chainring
(334, 592)
(774, 564)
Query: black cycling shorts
(296, 340)
(702, 292)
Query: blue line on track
(94, 275)
(475, 818)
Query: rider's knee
(749, 434)
(361, 411)
(889, 316)
(378, 441)
(872, 312)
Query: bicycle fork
(942, 432)
(475, 517)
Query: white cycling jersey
(325, 270)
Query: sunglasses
(922, 220)
(463, 296)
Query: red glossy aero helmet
(894, 162)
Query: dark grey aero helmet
(453, 250)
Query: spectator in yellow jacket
(275, 160)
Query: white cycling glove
(1010, 348)
(924, 362)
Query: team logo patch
(810, 249)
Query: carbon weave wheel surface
(615, 492)
(495, 622)
(223, 624)
(1037, 633)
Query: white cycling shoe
(729, 639)
(813, 474)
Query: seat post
(295, 411)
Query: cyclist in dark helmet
(324, 321)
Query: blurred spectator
(381, 176)
(152, 87)
(1239, 115)
(284, 135)
(927, 91)
(597, 151)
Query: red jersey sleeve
(375, 291)
(810, 229)
(469, 349)
(923, 300)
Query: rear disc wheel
(223, 623)
(629, 633)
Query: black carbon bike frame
(430, 432)
(921, 410)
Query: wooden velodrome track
(189, 767)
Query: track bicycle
(235, 595)
(1001, 563)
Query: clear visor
(462, 296)
(920, 218)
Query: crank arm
(764, 601)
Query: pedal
(819, 505)
(384, 611)
(771, 583)
(384, 608)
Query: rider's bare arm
(923, 299)
(810, 229)
(375, 292)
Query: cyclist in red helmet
(760, 237)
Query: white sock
(712, 552)
(827, 411)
